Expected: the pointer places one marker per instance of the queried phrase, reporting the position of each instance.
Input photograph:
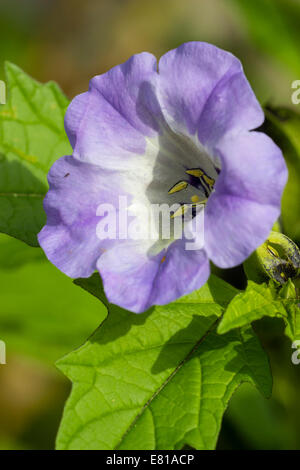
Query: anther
(178, 187)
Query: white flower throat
(181, 170)
(175, 175)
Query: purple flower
(180, 131)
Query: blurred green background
(42, 314)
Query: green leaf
(14, 253)
(159, 380)
(274, 27)
(42, 314)
(257, 301)
(32, 137)
(283, 125)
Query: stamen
(197, 172)
(180, 211)
(195, 198)
(185, 207)
(206, 182)
(178, 187)
(199, 180)
(209, 181)
(204, 201)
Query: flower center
(201, 184)
(180, 174)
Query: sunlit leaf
(159, 380)
(42, 314)
(258, 301)
(32, 137)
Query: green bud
(278, 258)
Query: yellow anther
(180, 211)
(196, 172)
(195, 198)
(208, 180)
(204, 201)
(178, 187)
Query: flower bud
(278, 258)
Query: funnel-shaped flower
(177, 132)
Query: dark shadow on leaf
(224, 295)
(185, 342)
(246, 353)
(119, 321)
(16, 218)
(117, 324)
(93, 285)
(216, 346)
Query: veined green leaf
(161, 379)
(257, 301)
(32, 137)
(42, 314)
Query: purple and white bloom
(177, 131)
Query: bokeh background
(42, 314)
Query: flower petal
(136, 281)
(111, 120)
(246, 202)
(69, 238)
(231, 108)
(182, 272)
(128, 274)
(203, 88)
